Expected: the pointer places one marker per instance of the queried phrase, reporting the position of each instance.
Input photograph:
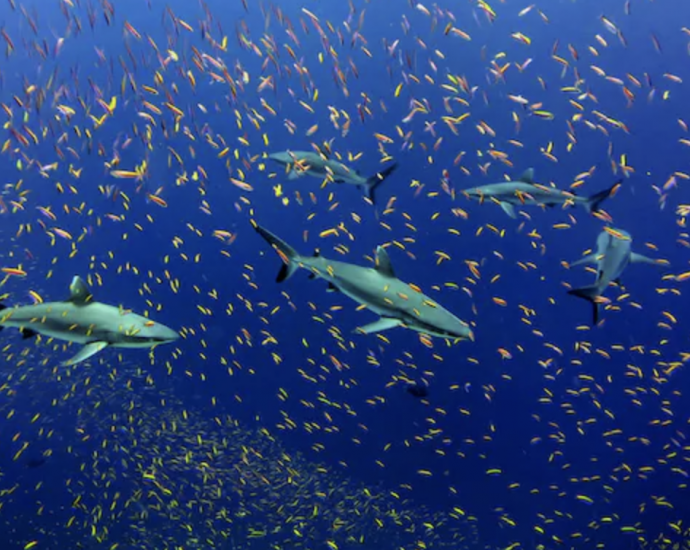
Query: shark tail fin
(377, 179)
(288, 254)
(594, 201)
(589, 293)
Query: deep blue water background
(652, 148)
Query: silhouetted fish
(36, 462)
(418, 389)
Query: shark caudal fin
(593, 202)
(377, 179)
(591, 294)
(288, 254)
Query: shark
(377, 288)
(308, 163)
(613, 255)
(82, 320)
(523, 191)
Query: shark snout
(165, 334)
(465, 332)
(455, 330)
(282, 157)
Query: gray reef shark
(82, 320)
(524, 191)
(308, 163)
(614, 253)
(377, 288)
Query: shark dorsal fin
(79, 292)
(383, 263)
(527, 176)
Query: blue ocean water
(543, 431)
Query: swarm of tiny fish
(141, 162)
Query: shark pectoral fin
(294, 174)
(383, 263)
(384, 323)
(591, 258)
(27, 333)
(84, 353)
(79, 293)
(508, 209)
(332, 288)
(636, 258)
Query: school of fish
(155, 157)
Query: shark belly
(362, 294)
(69, 336)
(52, 331)
(371, 302)
(132, 344)
(521, 200)
(616, 259)
(614, 271)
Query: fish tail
(594, 201)
(589, 293)
(377, 179)
(288, 254)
